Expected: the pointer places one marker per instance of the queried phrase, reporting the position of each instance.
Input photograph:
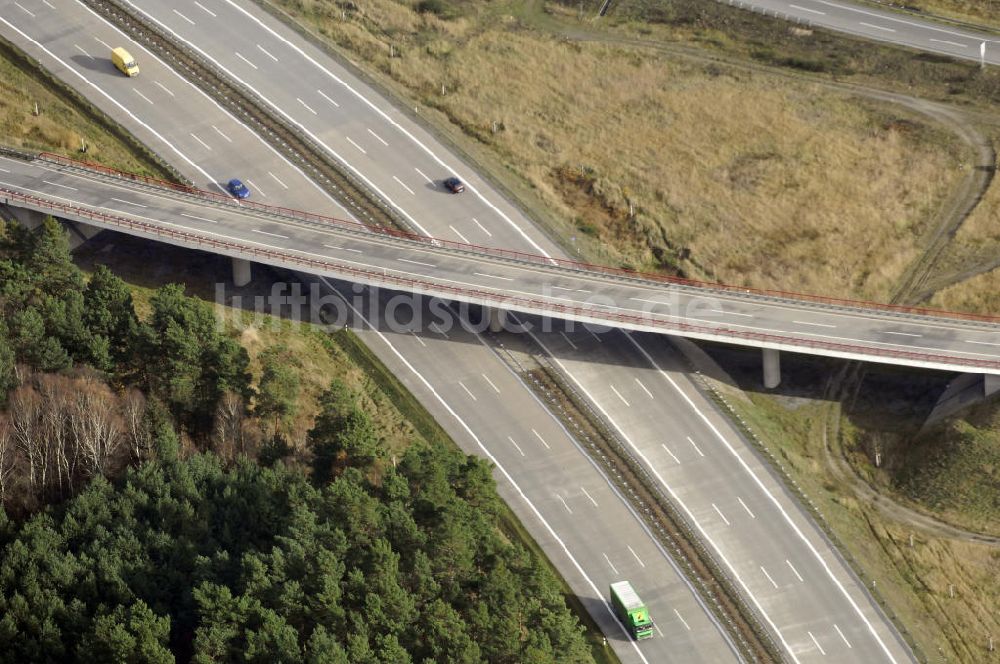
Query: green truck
(631, 610)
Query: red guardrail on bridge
(507, 301)
(525, 256)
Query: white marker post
(982, 55)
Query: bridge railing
(597, 313)
(521, 256)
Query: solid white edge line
(496, 463)
(760, 484)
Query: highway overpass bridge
(498, 279)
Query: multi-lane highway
(902, 29)
(815, 607)
(501, 279)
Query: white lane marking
(380, 139)
(877, 27)
(24, 9)
(670, 490)
(128, 202)
(164, 88)
(818, 646)
(4, 170)
(219, 132)
(768, 577)
(434, 326)
(191, 216)
(516, 445)
(198, 90)
(313, 111)
(460, 236)
(388, 119)
(949, 43)
(418, 338)
(806, 9)
(283, 237)
(609, 563)
(842, 636)
(205, 9)
(491, 276)
(658, 630)
(422, 174)
(805, 322)
(636, 556)
(644, 388)
(467, 391)
(184, 17)
(683, 622)
(562, 288)
(256, 188)
(49, 4)
(503, 471)
(330, 246)
(664, 304)
(240, 56)
(619, 395)
(323, 95)
(719, 512)
(672, 455)
(266, 52)
(588, 496)
(203, 143)
(495, 388)
(363, 151)
(592, 333)
(77, 46)
(760, 484)
(695, 446)
(482, 228)
(407, 260)
(982, 343)
(732, 313)
(56, 184)
(901, 334)
(563, 501)
(275, 178)
(539, 437)
(568, 340)
(102, 43)
(746, 508)
(399, 181)
(142, 95)
(794, 571)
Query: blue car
(238, 189)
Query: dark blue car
(238, 189)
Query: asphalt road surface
(830, 619)
(902, 29)
(530, 284)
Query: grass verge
(664, 169)
(64, 121)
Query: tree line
(116, 545)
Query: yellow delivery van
(124, 62)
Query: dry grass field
(659, 163)
(61, 124)
(945, 592)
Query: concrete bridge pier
(241, 272)
(498, 319)
(772, 367)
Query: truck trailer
(631, 611)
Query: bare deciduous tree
(136, 432)
(229, 425)
(60, 451)
(25, 408)
(96, 424)
(8, 459)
